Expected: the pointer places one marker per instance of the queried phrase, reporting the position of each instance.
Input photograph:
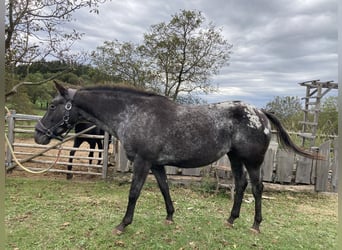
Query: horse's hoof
(69, 176)
(117, 231)
(229, 225)
(168, 222)
(255, 230)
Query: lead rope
(22, 166)
(27, 169)
(54, 146)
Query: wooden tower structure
(315, 90)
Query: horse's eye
(52, 107)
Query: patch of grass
(59, 214)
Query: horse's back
(195, 135)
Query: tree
(40, 94)
(176, 57)
(124, 61)
(288, 110)
(186, 53)
(328, 117)
(34, 29)
(36, 89)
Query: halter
(49, 132)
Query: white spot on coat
(254, 120)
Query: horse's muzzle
(41, 138)
(40, 134)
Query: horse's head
(60, 117)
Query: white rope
(27, 169)
(18, 162)
(54, 146)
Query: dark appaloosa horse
(156, 131)
(91, 141)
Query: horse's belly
(191, 158)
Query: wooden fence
(279, 166)
(288, 168)
(20, 132)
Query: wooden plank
(63, 171)
(105, 155)
(285, 163)
(304, 170)
(334, 167)
(28, 145)
(191, 171)
(267, 166)
(61, 156)
(11, 126)
(171, 170)
(26, 117)
(322, 168)
(64, 163)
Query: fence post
(315, 150)
(334, 178)
(105, 155)
(11, 125)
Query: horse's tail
(285, 139)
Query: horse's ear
(63, 91)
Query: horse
(80, 126)
(156, 131)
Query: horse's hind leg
(92, 145)
(240, 186)
(257, 188)
(77, 144)
(160, 174)
(140, 171)
(100, 147)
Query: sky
(276, 44)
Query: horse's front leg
(160, 174)
(140, 171)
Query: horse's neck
(107, 113)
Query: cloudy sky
(276, 44)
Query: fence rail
(17, 125)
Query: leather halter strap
(50, 132)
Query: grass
(59, 214)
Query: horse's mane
(121, 89)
